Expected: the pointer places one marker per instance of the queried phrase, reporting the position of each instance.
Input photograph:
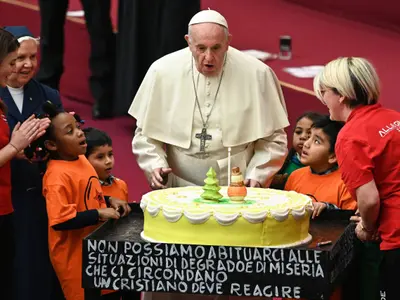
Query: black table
(115, 256)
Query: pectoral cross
(203, 136)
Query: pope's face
(26, 64)
(208, 43)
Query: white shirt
(18, 96)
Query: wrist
(14, 147)
(365, 228)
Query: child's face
(316, 151)
(70, 141)
(102, 159)
(301, 133)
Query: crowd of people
(56, 181)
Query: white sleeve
(150, 153)
(269, 154)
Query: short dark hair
(330, 128)
(95, 138)
(311, 115)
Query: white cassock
(249, 115)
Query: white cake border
(292, 245)
(196, 216)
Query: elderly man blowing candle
(195, 103)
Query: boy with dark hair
(321, 179)
(100, 154)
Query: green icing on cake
(211, 187)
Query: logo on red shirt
(388, 128)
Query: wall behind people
(147, 30)
(376, 13)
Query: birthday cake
(211, 215)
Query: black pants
(391, 269)
(6, 255)
(95, 294)
(34, 277)
(102, 40)
(121, 296)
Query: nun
(34, 276)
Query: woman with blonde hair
(368, 154)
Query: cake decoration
(237, 191)
(211, 187)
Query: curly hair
(38, 148)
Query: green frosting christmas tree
(211, 187)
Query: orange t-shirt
(117, 189)
(70, 187)
(325, 188)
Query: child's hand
(318, 208)
(108, 213)
(120, 206)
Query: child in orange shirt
(100, 154)
(321, 179)
(74, 198)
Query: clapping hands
(30, 130)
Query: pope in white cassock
(196, 102)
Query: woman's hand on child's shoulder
(108, 213)
(120, 205)
(318, 208)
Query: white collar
(15, 90)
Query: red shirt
(5, 171)
(368, 148)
